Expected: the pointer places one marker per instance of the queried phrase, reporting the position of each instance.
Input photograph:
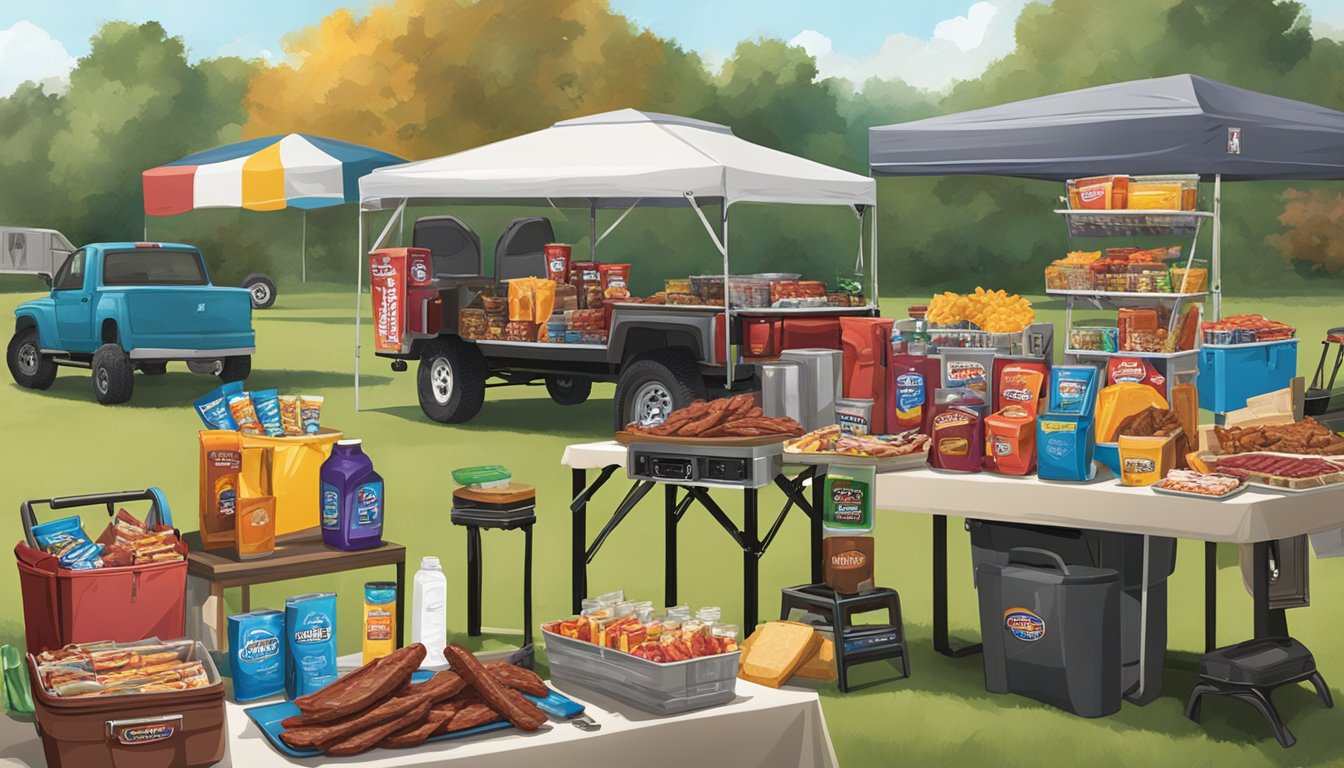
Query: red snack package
(1135, 370)
(557, 261)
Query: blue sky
(926, 42)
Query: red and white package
(1135, 370)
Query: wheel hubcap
(28, 359)
(441, 380)
(564, 384)
(652, 404)
(100, 379)
(260, 293)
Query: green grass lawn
(62, 442)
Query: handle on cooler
(158, 512)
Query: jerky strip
(519, 711)
(316, 736)
(473, 716)
(389, 675)
(363, 741)
(518, 678)
(415, 735)
(443, 686)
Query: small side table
(505, 509)
(297, 555)
(853, 645)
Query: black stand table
(609, 457)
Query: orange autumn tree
(422, 78)
(1315, 237)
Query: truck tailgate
(164, 316)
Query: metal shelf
(1150, 355)
(1132, 223)
(1103, 295)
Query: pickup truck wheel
(568, 390)
(236, 368)
(29, 367)
(651, 387)
(451, 380)
(262, 289)
(113, 375)
(154, 369)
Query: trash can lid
(1077, 574)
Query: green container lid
(492, 473)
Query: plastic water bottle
(429, 611)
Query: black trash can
(1141, 673)
(1051, 631)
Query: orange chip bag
(521, 298)
(543, 301)
(1021, 384)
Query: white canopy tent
(619, 160)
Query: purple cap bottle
(352, 498)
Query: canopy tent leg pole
(592, 231)
(359, 289)
(617, 222)
(872, 254)
(303, 245)
(1218, 247)
(722, 245)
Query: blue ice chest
(1231, 373)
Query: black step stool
(506, 512)
(1250, 671)
(853, 645)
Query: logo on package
(259, 646)
(910, 380)
(1129, 371)
(1092, 193)
(951, 419)
(383, 270)
(419, 271)
(145, 734)
(848, 559)
(1234, 141)
(847, 503)
(1025, 625)
(963, 370)
(1135, 465)
(317, 629)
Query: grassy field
(62, 442)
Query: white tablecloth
(763, 727)
(1258, 514)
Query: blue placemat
(268, 717)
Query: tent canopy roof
(1177, 124)
(615, 158)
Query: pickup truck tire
(568, 390)
(154, 369)
(450, 381)
(262, 289)
(657, 383)
(236, 368)
(113, 375)
(29, 367)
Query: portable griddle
(716, 466)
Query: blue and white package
(83, 557)
(1073, 389)
(213, 408)
(257, 654)
(310, 630)
(1065, 443)
(267, 403)
(61, 537)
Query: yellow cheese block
(820, 666)
(776, 650)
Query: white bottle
(429, 611)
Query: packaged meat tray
(1281, 471)
(1199, 485)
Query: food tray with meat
(1307, 437)
(886, 453)
(1198, 485)
(384, 705)
(1280, 471)
(734, 417)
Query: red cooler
(865, 342)
(762, 337)
(810, 333)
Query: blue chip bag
(1073, 389)
(1064, 447)
(257, 653)
(83, 557)
(310, 629)
(213, 408)
(60, 537)
(267, 403)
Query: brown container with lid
(848, 563)
(169, 729)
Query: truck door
(74, 311)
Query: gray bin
(1051, 631)
(665, 689)
(1123, 552)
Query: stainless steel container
(822, 380)
(782, 389)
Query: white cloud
(959, 49)
(27, 52)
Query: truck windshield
(153, 266)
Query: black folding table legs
(941, 642)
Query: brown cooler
(170, 729)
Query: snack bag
(257, 654)
(557, 261)
(290, 421)
(956, 433)
(1023, 385)
(310, 413)
(1073, 389)
(521, 300)
(245, 414)
(254, 527)
(1010, 441)
(213, 407)
(59, 537)
(310, 630)
(848, 499)
(221, 463)
(1064, 446)
(1146, 460)
(1135, 370)
(267, 404)
(543, 303)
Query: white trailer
(30, 251)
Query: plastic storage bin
(665, 689)
(1229, 374)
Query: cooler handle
(158, 511)
(1039, 557)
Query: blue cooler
(1229, 374)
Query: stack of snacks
(127, 540)
(264, 412)
(106, 669)
(1246, 329)
(633, 627)
(1071, 273)
(993, 311)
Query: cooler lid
(1039, 566)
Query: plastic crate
(1230, 374)
(665, 689)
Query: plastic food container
(664, 689)
(1094, 338)
(707, 286)
(1187, 184)
(1099, 192)
(749, 292)
(1192, 280)
(1149, 278)
(677, 286)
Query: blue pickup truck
(116, 307)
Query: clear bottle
(429, 611)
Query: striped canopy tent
(295, 170)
